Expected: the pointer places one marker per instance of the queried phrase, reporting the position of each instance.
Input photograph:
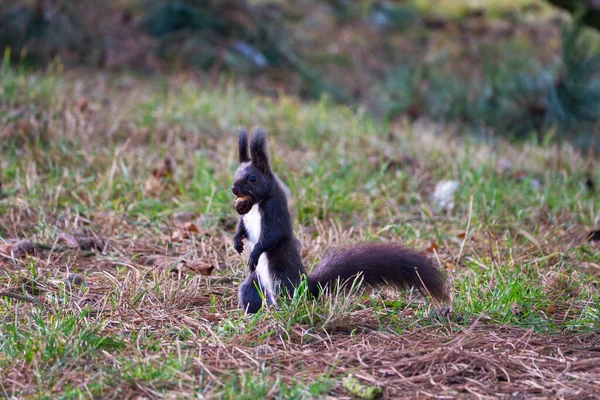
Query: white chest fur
(253, 225)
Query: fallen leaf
(178, 265)
(156, 181)
(183, 232)
(449, 266)
(433, 247)
(200, 269)
(166, 168)
(191, 227)
(189, 267)
(551, 309)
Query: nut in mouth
(243, 204)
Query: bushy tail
(379, 264)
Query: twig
(462, 245)
(21, 297)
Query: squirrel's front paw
(238, 244)
(253, 261)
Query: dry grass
(79, 150)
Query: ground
(126, 284)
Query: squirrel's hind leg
(250, 299)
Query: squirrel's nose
(236, 191)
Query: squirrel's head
(253, 179)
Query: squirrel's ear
(258, 150)
(243, 144)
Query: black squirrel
(275, 263)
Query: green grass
(138, 329)
(268, 384)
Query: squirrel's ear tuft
(258, 150)
(243, 144)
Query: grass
(78, 150)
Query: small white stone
(443, 194)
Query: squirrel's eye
(252, 178)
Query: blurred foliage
(354, 52)
(589, 10)
(43, 28)
(515, 95)
(203, 33)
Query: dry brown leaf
(184, 232)
(166, 168)
(433, 247)
(189, 267)
(156, 181)
(449, 266)
(191, 227)
(200, 269)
